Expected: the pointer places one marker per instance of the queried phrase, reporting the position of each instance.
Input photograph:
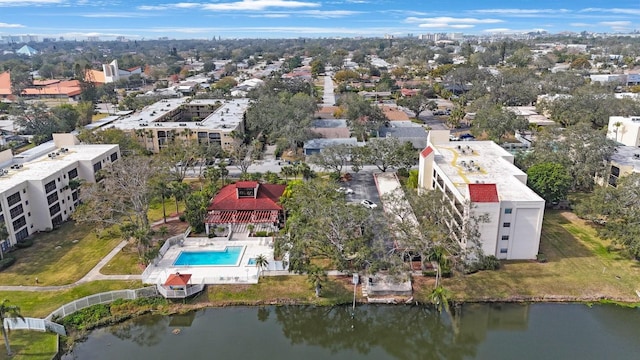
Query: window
(18, 223)
(17, 210)
(50, 186)
(22, 234)
(503, 251)
(246, 192)
(114, 156)
(52, 198)
(74, 195)
(73, 174)
(1, 219)
(97, 166)
(508, 210)
(13, 199)
(505, 237)
(54, 209)
(507, 224)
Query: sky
(145, 19)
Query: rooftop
(483, 162)
(43, 166)
(626, 156)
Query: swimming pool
(252, 261)
(230, 256)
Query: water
(230, 256)
(502, 331)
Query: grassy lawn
(155, 209)
(580, 264)
(41, 304)
(60, 257)
(273, 290)
(98, 116)
(30, 345)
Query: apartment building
(203, 120)
(39, 188)
(624, 161)
(479, 178)
(624, 130)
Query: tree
(617, 210)
(180, 191)
(85, 111)
(498, 122)
(362, 116)
(331, 158)
(127, 143)
(417, 103)
(196, 210)
(35, 119)
(261, 262)
(123, 197)
(521, 57)
(316, 276)
(386, 153)
(241, 155)
(550, 180)
(8, 312)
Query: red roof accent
(5, 83)
(246, 184)
(177, 279)
(242, 217)
(267, 198)
(483, 193)
(428, 150)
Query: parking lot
(364, 187)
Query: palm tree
(440, 298)
(180, 191)
(8, 312)
(316, 277)
(261, 262)
(617, 126)
(4, 234)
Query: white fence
(34, 324)
(168, 293)
(102, 298)
(174, 240)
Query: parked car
(368, 204)
(453, 138)
(467, 137)
(348, 191)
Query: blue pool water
(230, 256)
(252, 261)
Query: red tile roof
(5, 83)
(483, 193)
(177, 279)
(428, 150)
(267, 198)
(68, 88)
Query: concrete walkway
(93, 274)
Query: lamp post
(247, 270)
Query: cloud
(511, 31)
(614, 11)
(5, 25)
(25, 3)
(615, 23)
(442, 26)
(452, 20)
(525, 12)
(257, 5)
(580, 25)
(113, 15)
(271, 15)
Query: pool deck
(202, 274)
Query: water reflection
(372, 332)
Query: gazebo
(179, 286)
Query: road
(329, 97)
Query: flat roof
(625, 156)
(482, 162)
(43, 166)
(226, 118)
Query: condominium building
(204, 120)
(479, 179)
(624, 130)
(39, 187)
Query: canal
(496, 331)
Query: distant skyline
(136, 20)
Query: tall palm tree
(440, 298)
(8, 312)
(180, 191)
(261, 262)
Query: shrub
(541, 258)
(261, 234)
(211, 235)
(6, 262)
(402, 172)
(24, 243)
(183, 218)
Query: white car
(348, 191)
(368, 204)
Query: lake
(479, 331)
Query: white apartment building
(202, 120)
(37, 187)
(625, 130)
(479, 178)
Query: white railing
(34, 324)
(174, 240)
(191, 290)
(102, 298)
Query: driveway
(364, 187)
